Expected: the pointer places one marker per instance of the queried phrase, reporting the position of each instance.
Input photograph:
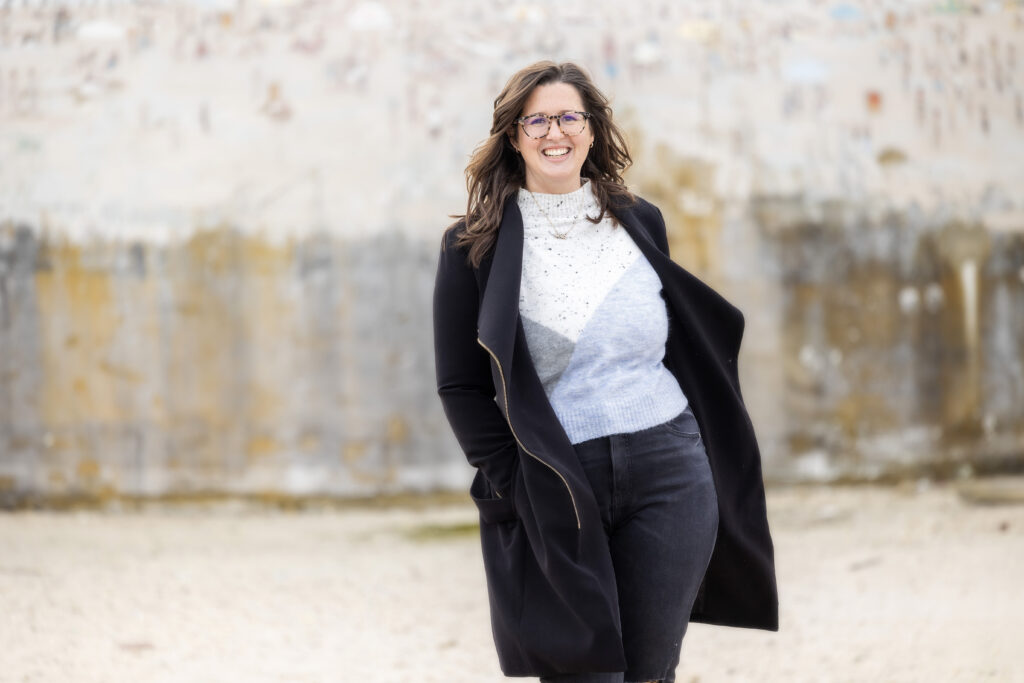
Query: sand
(909, 583)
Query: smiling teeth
(556, 152)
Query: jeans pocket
(684, 424)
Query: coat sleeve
(464, 381)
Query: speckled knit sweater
(595, 321)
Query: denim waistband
(684, 422)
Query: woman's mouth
(556, 151)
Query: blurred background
(219, 227)
(220, 219)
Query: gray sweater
(595, 321)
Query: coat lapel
(499, 310)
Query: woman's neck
(569, 185)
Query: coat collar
(496, 324)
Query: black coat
(553, 600)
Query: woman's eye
(570, 118)
(536, 121)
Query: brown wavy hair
(496, 172)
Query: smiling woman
(512, 157)
(554, 158)
(592, 382)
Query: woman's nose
(555, 130)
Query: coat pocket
(492, 508)
(505, 549)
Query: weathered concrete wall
(901, 340)
(219, 223)
(225, 364)
(218, 364)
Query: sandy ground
(877, 584)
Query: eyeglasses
(538, 125)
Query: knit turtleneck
(594, 319)
(558, 212)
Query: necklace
(554, 231)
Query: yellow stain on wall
(397, 430)
(202, 338)
(234, 319)
(268, 319)
(206, 337)
(261, 446)
(87, 469)
(353, 453)
(199, 344)
(121, 372)
(78, 323)
(683, 188)
(222, 355)
(876, 314)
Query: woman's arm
(463, 368)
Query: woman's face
(553, 162)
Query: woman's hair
(496, 171)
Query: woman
(592, 382)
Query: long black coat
(554, 604)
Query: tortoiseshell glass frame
(521, 119)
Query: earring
(591, 145)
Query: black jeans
(660, 515)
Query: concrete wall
(219, 224)
(219, 364)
